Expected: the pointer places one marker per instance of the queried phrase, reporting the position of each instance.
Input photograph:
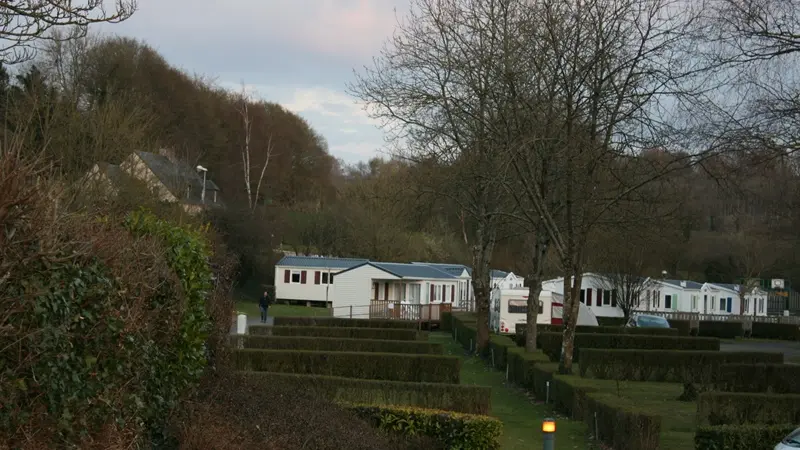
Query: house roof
(727, 286)
(114, 173)
(689, 284)
(320, 262)
(177, 177)
(499, 274)
(414, 270)
(453, 269)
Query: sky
(298, 53)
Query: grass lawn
(251, 309)
(521, 417)
(678, 419)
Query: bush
(337, 344)
(665, 365)
(740, 437)
(521, 365)
(238, 412)
(339, 332)
(738, 408)
(373, 366)
(777, 331)
(684, 327)
(345, 322)
(447, 321)
(465, 331)
(449, 397)
(620, 426)
(452, 430)
(720, 329)
(611, 321)
(551, 343)
(544, 328)
(497, 351)
(774, 378)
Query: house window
(606, 297)
(694, 303)
(730, 304)
(296, 276)
(517, 306)
(327, 278)
(761, 304)
(583, 296)
(599, 297)
(722, 303)
(589, 297)
(667, 302)
(746, 305)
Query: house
(396, 286)
(506, 280)
(465, 296)
(724, 298)
(595, 293)
(664, 295)
(107, 177)
(172, 180)
(309, 278)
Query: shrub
(447, 321)
(521, 366)
(373, 366)
(778, 331)
(465, 331)
(544, 328)
(738, 408)
(238, 412)
(720, 329)
(339, 332)
(338, 344)
(684, 327)
(449, 397)
(740, 437)
(620, 426)
(611, 321)
(551, 343)
(665, 365)
(497, 351)
(774, 378)
(452, 430)
(345, 322)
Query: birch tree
(247, 166)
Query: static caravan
(509, 307)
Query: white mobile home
(506, 280)
(509, 307)
(595, 294)
(671, 296)
(722, 298)
(309, 278)
(464, 293)
(362, 290)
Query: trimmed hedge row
(684, 327)
(345, 322)
(340, 332)
(544, 328)
(452, 430)
(738, 408)
(372, 366)
(447, 321)
(741, 437)
(665, 365)
(777, 331)
(720, 329)
(338, 344)
(774, 378)
(550, 343)
(448, 397)
(611, 321)
(619, 425)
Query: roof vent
(683, 284)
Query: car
(647, 321)
(792, 441)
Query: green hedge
(738, 408)
(452, 430)
(465, 331)
(665, 365)
(497, 351)
(778, 331)
(544, 328)
(774, 378)
(741, 437)
(339, 332)
(338, 344)
(720, 329)
(345, 322)
(372, 366)
(621, 426)
(611, 321)
(684, 327)
(447, 321)
(550, 343)
(449, 397)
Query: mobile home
(509, 307)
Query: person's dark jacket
(264, 301)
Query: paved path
(790, 350)
(252, 320)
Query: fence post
(351, 311)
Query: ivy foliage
(86, 346)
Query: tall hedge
(551, 343)
(778, 331)
(665, 365)
(740, 437)
(337, 344)
(449, 397)
(720, 329)
(372, 366)
(775, 378)
(738, 408)
(345, 322)
(452, 430)
(544, 328)
(339, 332)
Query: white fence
(676, 315)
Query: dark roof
(689, 283)
(403, 270)
(731, 287)
(177, 177)
(452, 269)
(499, 274)
(114, 173)
(320, 262)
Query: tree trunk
(571, 309)
(480, 284)
(534, 289)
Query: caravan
(508, 307)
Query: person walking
(263, 305)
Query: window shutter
(433, 293)
(386, 291)
(599, 297)
(614, 298)
(589, 297)
(287, 275)
(316, 277)
(452, 294)
(303, 277)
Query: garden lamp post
(203, 193)
(549, 434)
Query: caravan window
(517, 306)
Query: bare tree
(244, 111)
(625, 289)
(24, 23)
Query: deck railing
(387, 309)
(692, 316)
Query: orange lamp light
(549, 426)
